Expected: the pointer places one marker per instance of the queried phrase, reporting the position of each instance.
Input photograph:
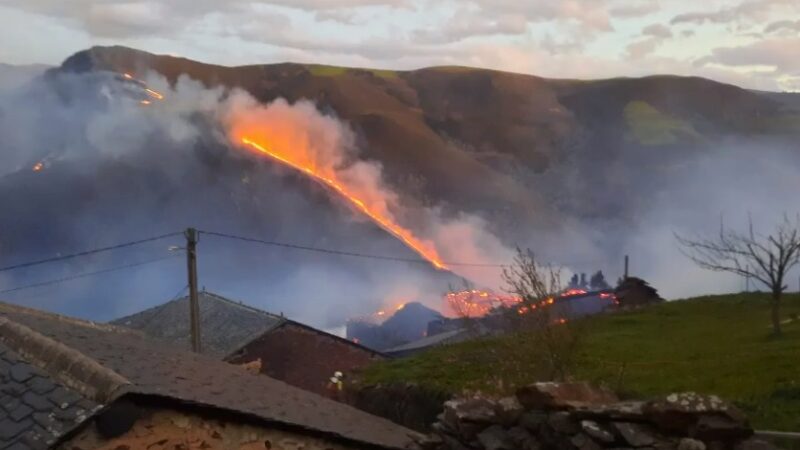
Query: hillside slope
(503, 144)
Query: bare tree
(767, 259)
(555, 338)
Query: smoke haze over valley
(472, 162)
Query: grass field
(649, 126)
(716, 345)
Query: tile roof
(430, 341)
(35, 410)
(227, 325)
(120, 361)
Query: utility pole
(625, 277)
(194, 303)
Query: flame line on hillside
(396, 231)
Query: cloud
(657, 30)
(744, 11)
(466, 24)
(780, 54)
(783, 25)
(635, 9)
(652, 37)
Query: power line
(372, 256)
(87, 274)
(88, 252)
(340, 252)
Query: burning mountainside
(376, 211)
(323, 148)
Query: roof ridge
(241, 305)
(7, 307)
(68, 366)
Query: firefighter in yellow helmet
(335, 386)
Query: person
(335, 386)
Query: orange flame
(128, 76)
(145, 102)
(38, 166)
(154, 94)
(424, 250)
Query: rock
(563, 423)
(720, 428)
(523, 439)
(596, 432)
(470, 410)
(429, 442)
(630, 411)
(679, 413)
(584, 442)
(755, 444)
(508, 410)
(634, 434)
(533, 421)
(563, 396)
(495, 438)
(452, 443)
(691, 444)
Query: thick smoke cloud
(115, 170)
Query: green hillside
(717, 344)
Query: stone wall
(170, 429)
(576, 416)
(410, 405)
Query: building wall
(168, 429)
(304, 358)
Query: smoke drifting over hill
(573, 171)
(113, 170)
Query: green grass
(334, 71)
(385, 74)
(326, 71)
(649, 126)
(716, 345)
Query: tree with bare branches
(767, 259)
(555, 339)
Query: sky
(751, 43)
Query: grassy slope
(714, 345)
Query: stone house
(72, 384)
(272, 344)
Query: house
(274, 345)
(79, 385)
(428, 342)
(634, 292)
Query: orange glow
(154, 94)
(38, 167)
(477, 303)
(570, 292)
(128, 76)
(297, 161)
(145, 102)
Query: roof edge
(68, 366)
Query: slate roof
(226, 325)
(446, 337)
(35, 410)
(104, 362)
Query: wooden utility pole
(625, 277)
(194, 303)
